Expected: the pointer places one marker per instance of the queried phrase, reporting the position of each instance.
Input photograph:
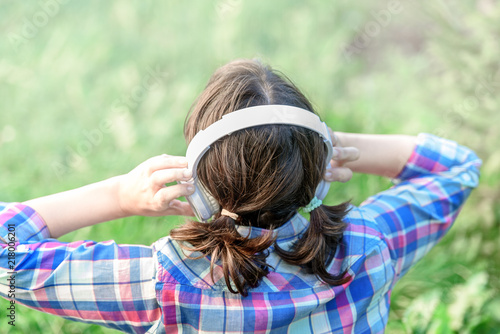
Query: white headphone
(202, 202)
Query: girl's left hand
(143, 191)
(341, 155)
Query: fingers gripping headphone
(201, 201)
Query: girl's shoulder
(177, 265)
(362, 231)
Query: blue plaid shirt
(159, 289)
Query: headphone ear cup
(213, 205)
(323, 187)
(206, 204)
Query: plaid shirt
(137, 288)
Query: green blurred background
(76, 108)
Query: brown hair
(264, 174)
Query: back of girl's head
(263, 174)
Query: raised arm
(96, 282)
(383, 155)
(140, 192)
(431, 187)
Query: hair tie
(229, 214)
(315, 202)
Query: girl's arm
(96, 282)
(140, 192)
(383, 155)
(433, 178)
(99, 283)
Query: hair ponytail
(243, 259)
(316, 248)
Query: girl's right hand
(143, 191)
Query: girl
(258, 266)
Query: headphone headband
(202, 203)
(250, 117)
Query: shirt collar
(295, 226)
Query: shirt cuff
(433, 155)
(21, 222)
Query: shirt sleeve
(426, 199)
(94, 282)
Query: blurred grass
(425, 68)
